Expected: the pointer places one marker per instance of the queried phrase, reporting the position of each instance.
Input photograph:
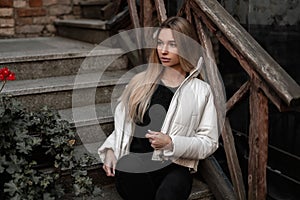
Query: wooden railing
(267, 82)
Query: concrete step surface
(87, 30)
(93, 123)
(32, 58)
(68, 91)
(103, 9)
(83, 23)
(94, 2)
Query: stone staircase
(99, 21)
(79, 79)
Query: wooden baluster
(258, 144)
(133, 14)
(136, 24)
(238, 96)
(181, 11)
(147, 9)
(161, 10)
(148, 21)
(229, 146)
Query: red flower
(6, 75)
(11, 77)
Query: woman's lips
(163, 59)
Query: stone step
(69, 91)
(33, 58)
(93, 123)
(103, 9)
(87, 30)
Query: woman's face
(167, 49)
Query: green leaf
(23, 147)
(3, 163)
(47, 196)
(16, 197)
(10, 188)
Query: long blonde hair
(137, 95)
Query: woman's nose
(164, 48)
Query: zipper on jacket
(177, 91)
(160, 155)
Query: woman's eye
(172, 45)
(160, 43)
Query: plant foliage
(31, 142)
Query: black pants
(171, 182)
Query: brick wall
(32, 18)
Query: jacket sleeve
(205, 138)
(112, 141)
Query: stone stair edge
(94, 2)
(64, 83)
(83, 23)
(63, 55)
(48, 48)
(87, 118)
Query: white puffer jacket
(191, 122)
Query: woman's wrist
(169, 146)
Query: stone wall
(32, 18)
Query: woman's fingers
(110, 163)
(158, 140)
(109, 171)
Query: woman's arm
(108, 149)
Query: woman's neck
(172, 77)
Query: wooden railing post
(161, 10)
(228, 140)
(258, 144)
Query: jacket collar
(195, 72)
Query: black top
(153, 118)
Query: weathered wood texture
(238, 96)
(146, 13)
(271, 94)
(258, 144)
(260, 61)
(267, 81)
(233, 162)
(216, 180)
(228, 140)
(161, 10)
(133, 14)
(136, 24)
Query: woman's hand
(110, 163)
(159, 140)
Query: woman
(164, 123)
